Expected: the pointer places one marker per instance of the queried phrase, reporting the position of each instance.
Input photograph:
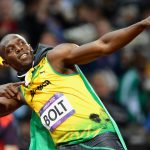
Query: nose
(18, 49)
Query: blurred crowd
(121, 80)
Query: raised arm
(107, 44)
(10, 98)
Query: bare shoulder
(57, 56)
(61, 51)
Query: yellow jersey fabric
(64, 104)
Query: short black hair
(5, 40)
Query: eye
(10, 49)
(21, 43)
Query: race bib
(55, 111)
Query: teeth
(23, 56)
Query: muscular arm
(107, 44)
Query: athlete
(59, 94)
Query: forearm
(7, 106)
(119, 38)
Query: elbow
(105, 49)
(3, 110)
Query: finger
(19, 83)
(13, 89)
(7, 95)
(18, 97)
(9, 92)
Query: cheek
(12, 58)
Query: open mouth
(23, 56)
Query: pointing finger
(19, 83)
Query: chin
(26, 64)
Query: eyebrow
(10, 45)
(19, 40)
(7, 45)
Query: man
(58, 92)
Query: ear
(30, 48)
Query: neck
(22, 73)
(24, 69)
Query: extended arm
(107, 44)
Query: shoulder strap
(41, 52)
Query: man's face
(18, 54)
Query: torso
(65, 105)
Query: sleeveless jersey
(65, 105)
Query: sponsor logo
(42, 72)
(39, 87)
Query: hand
(146, 22)
(10, 90)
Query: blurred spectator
(8, 134)
(7, 23)
(127, 14)
(102, 26)
(131, 90)
(87, 13)
(32, 23)
(109, 7)
(48, 38)
(105, 84)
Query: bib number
(56, 110)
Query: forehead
(13, 40)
